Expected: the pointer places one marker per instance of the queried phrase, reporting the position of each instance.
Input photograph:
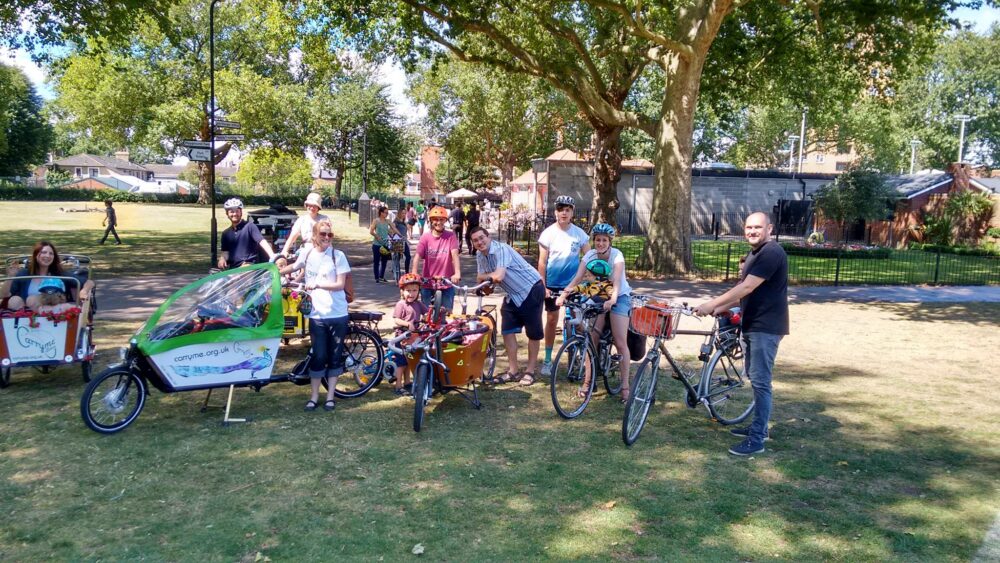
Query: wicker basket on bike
(653, 318)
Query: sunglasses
(326, 235)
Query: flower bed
(832, 251)
(960, 250)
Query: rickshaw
(223, 330)
(47, 339)
(449, 355)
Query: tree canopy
(596, 51)
(25, 135)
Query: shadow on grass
(511, 481)
(984, 314)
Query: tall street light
(791, 152)
(802, 137)
(913, 153)
(961, 136)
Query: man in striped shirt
(522, 308)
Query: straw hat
(314, 199)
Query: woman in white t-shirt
(303, 227)
(326, 272)
(620, 301)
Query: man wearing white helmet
(559, 250)
(242, 239)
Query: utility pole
(961, 136)
(791, 152)
(913, 153)
(802, 137)
(211, 127)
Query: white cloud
(392, 74)
(980, 19)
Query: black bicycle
(722, 385)
(572, 382)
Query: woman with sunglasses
(326, 272)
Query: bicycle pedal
(616, 357)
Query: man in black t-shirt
(471, 222)
(763, 296)
(241, 241)
(457, 217)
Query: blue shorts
(623, 307)
(398, 359)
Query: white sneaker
(547, 369)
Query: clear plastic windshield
(241, 299)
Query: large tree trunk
(669, 248)
(507, 175)
(607, 173)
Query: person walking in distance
(559, 250)
(763, 296)
(110, 221)
(471, 222)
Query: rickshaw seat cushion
(365, 316)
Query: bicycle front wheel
(572, 380)
(726, 385)
(643, 395)
(422, 388)
(363, 363)
(113, 400)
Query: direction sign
(239, 137)
(200, 155)
(227, 124)
(197, 144)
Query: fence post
(836, 275)
(729, 252)
(937, 265)
(715, 226)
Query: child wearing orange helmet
(406, 315)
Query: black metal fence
(719, 260)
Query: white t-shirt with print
(614, 256)
(564, 253)
(325, 266)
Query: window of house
(820, 158)
(78, 172)
(841, 166)
(93, 172)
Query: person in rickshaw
(326, 275)
(619, 302)
(303, 226)
(242, 240)
(406, 316)
(17, 294)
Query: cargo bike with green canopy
(223, 330)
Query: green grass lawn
(158, 239)
(874, 457)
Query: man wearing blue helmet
(559, 250)
(242, 239)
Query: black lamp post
(211, 127)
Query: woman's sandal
(310, 406)
(527, 379)
(329, 405)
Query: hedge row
(960, 250)
(845, 253)
(21, 193)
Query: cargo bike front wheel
(113, 400)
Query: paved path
(136, 297)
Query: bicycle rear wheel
(422, 388)
(643, 395)
(726, 385)
(572, 380)
(363, 363)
